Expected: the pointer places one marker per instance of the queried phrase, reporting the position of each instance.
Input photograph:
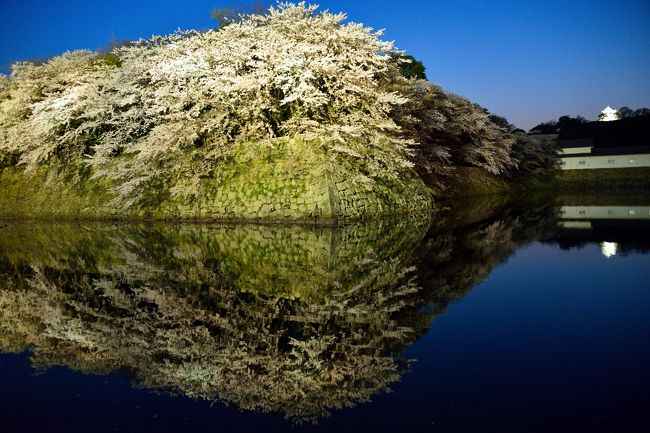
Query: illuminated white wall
(605, 161)
(574, 150)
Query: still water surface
(490, 318)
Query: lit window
(632, 161)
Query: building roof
(631, 150)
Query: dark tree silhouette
(410, 67)
(228, 15)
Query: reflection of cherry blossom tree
(290, 319)
(183, 314)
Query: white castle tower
(608, 114)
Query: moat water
(485, 317)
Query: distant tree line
(626, 112)
(567, 122)
(228, 15)
(555, 126)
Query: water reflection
(287, 319)
(608, 248)
(617, 230)
(296, 320)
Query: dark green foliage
(563, 123)
(626, 112)
(502, 122)
(9, 158)
(410, 67)
(68, 126)
(225, 16)
(117, 151)
(549, 127)
(568, 122)
(85, 144)
(89, 142)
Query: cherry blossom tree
(174, 106)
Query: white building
(597, 145)
(608, 114)
(580, 154)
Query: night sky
(529, 61)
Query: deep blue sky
(529, 61)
